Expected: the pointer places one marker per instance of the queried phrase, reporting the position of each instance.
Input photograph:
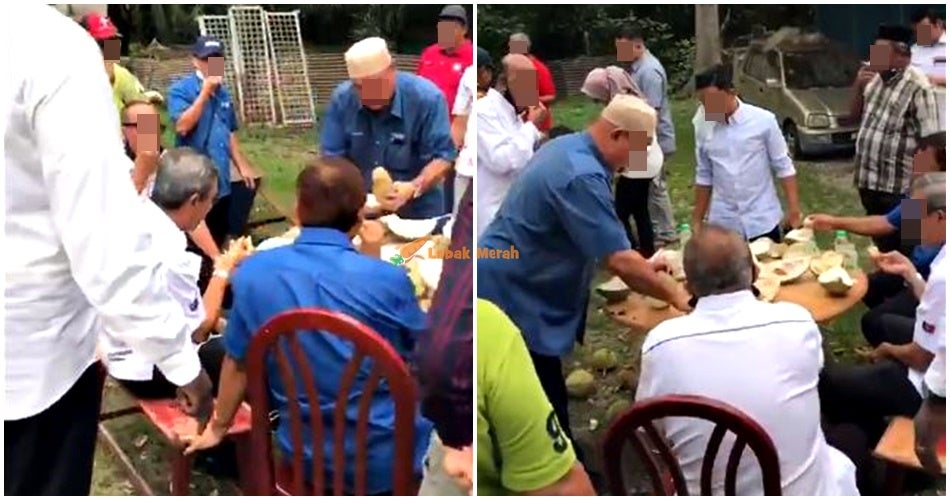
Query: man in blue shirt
(736, 161)
(322, 269)
(650, 76)
(395, 120)
(559, 217)
(203, 114)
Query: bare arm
(575, 483)
(231, 392)
(790, 185)
(201, 235)
(547, 99)
(640, 275)
(459, 124)
(857, 105)
(911, 355)
(213, 298)
(432, 174)
(873, 225)
(701, 207)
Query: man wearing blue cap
(203, 113)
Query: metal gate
(265, 54)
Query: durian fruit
(616, 408)
(760, 248)
(404, 189)
(628, 379)
(604, 359)
(777, 250)
(800, 235)
(826, 261)
(415, 276)
(580, 384)
(873, 252)
(836, 280)
(382, 183)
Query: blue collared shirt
(323, 269)
(211, 136)
(737, 159)
(403, 138)
(559, 216)
(922, 255)
(650, 77)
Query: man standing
(78, 259)
(736, 161)
(203, 113)
(387, 118)
(897, 106)
(558, 222)
(929, 54)
(519, 43)
(463, 122)
(505, 142)
(443, 63)
(650, 77)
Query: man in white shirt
(893, 384)
(78, 259)
(506, 141)
(736, 335)
(929, 54)
(736, 161)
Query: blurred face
(211, 66)
(111, 50)
(517, 46)
(523, 86)
(925, 161)
(142, 128)
(716, 103)
(629, 50)
(377, 91)
(451, 34)
(882, 55)
(928, 32)
(625, 149)
(932, 226)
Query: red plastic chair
(636, 426)
(278, 337)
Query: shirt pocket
(398, 155)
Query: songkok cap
(367, 57)
(896, 33)
(632, 114)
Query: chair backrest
(278, 338)
(636, 426)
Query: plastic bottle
(847, 249)
(684, 235)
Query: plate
(409, 229)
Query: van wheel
(790, 131)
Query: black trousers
(448, 187)
(219, 220)
(211, 354)
(880, 203)
(892, 320)
(882, 286)
(774, 235)
(51, 453)
(632, 200)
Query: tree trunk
(708, 43)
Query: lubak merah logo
(410, 250)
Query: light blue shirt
(737, 159)
(650, 77)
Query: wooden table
(806, 292)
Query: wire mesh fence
(294, 93)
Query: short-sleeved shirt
(559, 217)
(444, 69)
(211, 136)
(181, 270)
(125, 87)
(521, 446)
(403, 138)
(930, 326)
(464, 102)
(545, 87)
(323, 269)
(923, 255)
(650, 76)
(931, 59)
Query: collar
(589, 142)
(635, 65)
(466, 45)
(169, 232)
(324, 236)
(740, 115)
(724, 301)
(504, 106)
(942, 40)
(201, 77)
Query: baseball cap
(454, 13)
(99, 26)
(206, 46)
(483, 58)
(630, 113)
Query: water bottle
(684, 235)
(847, 249)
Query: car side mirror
(773, 83)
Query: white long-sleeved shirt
(930, 328)
(505, 144)
(464, 102)
(764, 360)
(78, 260)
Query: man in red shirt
(443, 62)
(519, 43)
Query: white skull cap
(367, 57)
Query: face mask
(887, 74)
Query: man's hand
(537, 114)
(196, 399)
(895, 263)
(821, 222)
(247, 174)
(930, 427)
(210, 84)
(681, 303)
(695, 226)
(864, 76)
(881, 352)
(458, 465)
(794, 220)
(206, 438)
(396, 199)
(237, 251)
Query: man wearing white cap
(559, 214)
(387, 118)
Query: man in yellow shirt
(126, 88)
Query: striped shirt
(896, 115)
(444, 351)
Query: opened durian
(404, 189)
(760, 248)
(836, 280)
(382, 183)
(800, 235)
(768, 286)
(826, 261)
(415, 275)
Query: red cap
(99, 26)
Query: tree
(708, 42)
